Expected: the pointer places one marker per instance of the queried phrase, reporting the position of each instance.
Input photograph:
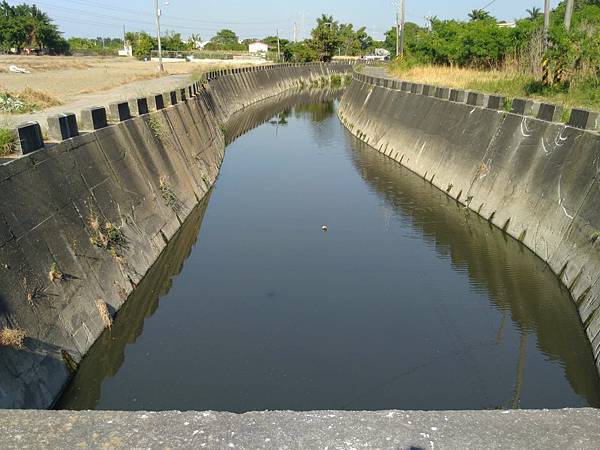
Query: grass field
(56, 80)
(511, 84)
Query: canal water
(408, 301)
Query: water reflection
(409, 301)
(537, 303)
(108, 353)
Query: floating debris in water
(324, 228)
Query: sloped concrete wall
(142, 177)
(534, 179)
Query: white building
(258, 47)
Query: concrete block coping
(550, 112)
(475, 99)
(523, 107)
(62, 127)
(139, 106)
(579, 118)
(93, 118)
(584, 119)
(495, 102)
(458, 96)
(29, 138)
(119, 111)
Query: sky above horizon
(256, 19)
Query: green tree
(27, 26)
(142, 44)
(534, 13)
(325, 38)
(479, 14)
(225, 38)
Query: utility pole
(546, 23)
(569, 14)
(160, 61)
(295, 32)
(278, 47)
(397, 35)
(402, 23)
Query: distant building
(507, 24)
(127, 50)
(258, 47)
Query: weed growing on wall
(168, 195)
(54, 274)
(156, 126)
(10, 337)
(335, 81)
(106, 236)
(8, 141)
(104, 313)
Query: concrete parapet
(573, 429)
(172, 96)
(138, 106)
(550, 112)
(119, 111)
(495, 102)
(62, 127)
(442, 93)
(475, 98)
(156, 102)
(416, 88)
(29, 138)
(458, 96)
(584, 119)
(93, 118)
(523, 107)
(428, 90)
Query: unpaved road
(79, 82)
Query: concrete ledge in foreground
(568, 428)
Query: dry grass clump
(10, 337)
(55, 274)
(106, 236)
(38, 98)
(104, 314)
(454, 77)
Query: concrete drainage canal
(320, 274)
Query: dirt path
(77, 103)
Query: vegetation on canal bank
(486, 55)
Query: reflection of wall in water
(486, 255)
(107, 355)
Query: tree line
(481, 41)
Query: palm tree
(534, 13)
(479, 14)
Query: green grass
(8, 141)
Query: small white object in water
(324, 228)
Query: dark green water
(407, 302)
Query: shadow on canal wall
(82, 221)
(536, 180)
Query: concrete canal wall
(84, 218)
(529, 175)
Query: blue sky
(256, 18)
